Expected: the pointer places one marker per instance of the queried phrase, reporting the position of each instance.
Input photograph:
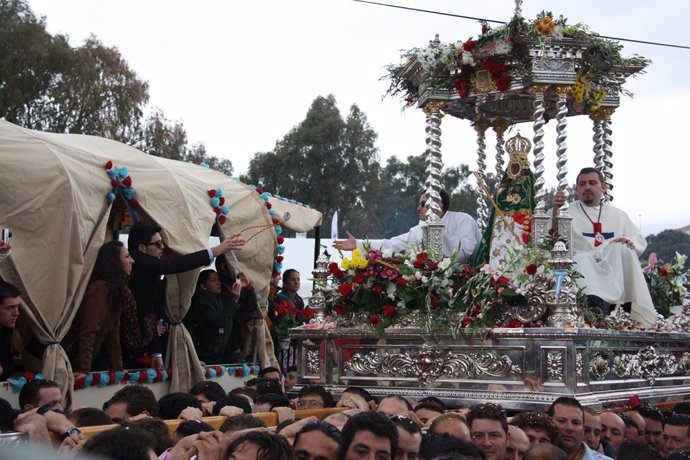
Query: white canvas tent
(53, 198)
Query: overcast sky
(241, 74)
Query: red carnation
(469, 45)
(502, 281)
(212, 193)
(377, 289)
(222, 219)
(339, 309)
(359, 278)
(389, 311)
(531, 269)
(346, 289)
(127, 181)
(400, 281)
(466, 322)
(374, 319)
(109, 165)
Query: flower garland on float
(121, 181)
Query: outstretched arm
(346, 245)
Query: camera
(6, 234)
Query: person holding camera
(5, 246)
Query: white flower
(468, 59)
(424, 279)
(444, 263)
(390, 291)
(502, 47)
(386, 253)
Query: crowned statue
(512, 203)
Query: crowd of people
(358, 426)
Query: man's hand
(346, 245)
(232, 243)
(558, 200)
(5, 247)
(230, 411)
(236, 290)
(625, 241)
(353, 401)
(33, 425)
(191, 413)
(284, 413)
(211, 446)
(208, 407)
(157, 363)
(291, 430)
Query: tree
(164, 138)
(327, 162)
(666, 244)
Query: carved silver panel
(555, 365)
(579, 364)
(428, 364)
(313, 362)
(646, 364)
(598, 367)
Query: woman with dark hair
(290, 288)
(93, 341)
(210, 319)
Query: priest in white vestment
(607, 244)
(461, 234)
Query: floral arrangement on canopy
(666, 282)
(382, 289)
(500, 58)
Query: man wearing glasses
(141, 346)
(314, 397)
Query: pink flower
(389, 273)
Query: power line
(441, 13)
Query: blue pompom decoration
(203, 164)
(215, 202)
(105, 379)
(112, 173)
(219, 192)
(265, 196)
(224, 210)
(279, 229)
(278, 267)
(129, 193)
(123, 172)
(88, 380)
(110, 197)
(133, 377)
(280, 249)
(272, 213)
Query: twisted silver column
(434, 164)
(538, 143)
(561, 146)
(481, 125)
(608, 153)
(500, 126)
(598, 139)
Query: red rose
(400, 281)
(127, 181)
(212, 193)
(374, 319)
(339, 309)
(502, 280)
(109, 165)
(468, 45)
(389, 311)
(359, 278)
(346, 289)
(466, 322)
(377, 289)
(531, 269)
(433, 265)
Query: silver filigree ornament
(598, 367)
(313, 362)
(427, 364)
(554, 365)
(646, 364)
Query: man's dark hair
(265, 386)
(273, 399)
(445, 200)
(430, 405)
(8, 290)
(29, 392)
(545, 451)
(682, 408)
(241, 422)
(374, 422)
(7, 416)
(650, 412)
(635, 449)
(589, 171)
(138, 398)
(158, 429)
(232, 400)
(679, 420)
(247, 391)
(89, 416)
(487, 411)
(359, 391)
(682, 453)
(435, 445)
(538, 421)
(406, 424)
(141, 233)
(317, 390)
(121, 444)
(266, 370)
(325, 428)
(190, 427)
(565, 401)
(170, 405)
(212, 390)
(271, 446)
(433, 400)
(628, 420)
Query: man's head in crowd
(207, 391)
(272, 373)
(369, 434)
(290, 378)
(145, 237)
(428, 410)
(632, 429)
(188, 428)
(314, 397)
(357, 398)
(568, 415)
(170, 405)
(38, 393)
(612, 429)
(545, 451)
(393, 404)
(489, 429)
(518, 443)
(444, 445)
(676, 432)
(122, 444)
(264, 385)
(409, 438)
(260, 444)
(639, 421)
(88, 416)
(9, 304)
(158, 428)
(592, 428)
(233, 400)
(241, 422)
(7, 416)
(538, 427)
(266, 403)
(638, 449)
(654, 426)
(451, 423)
(130, 401)
(317, 441)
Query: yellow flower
(578, 89)
(345, 264)
(598, 96)
(545, 26)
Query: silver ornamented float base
(518, 368)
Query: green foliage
(665, 244)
